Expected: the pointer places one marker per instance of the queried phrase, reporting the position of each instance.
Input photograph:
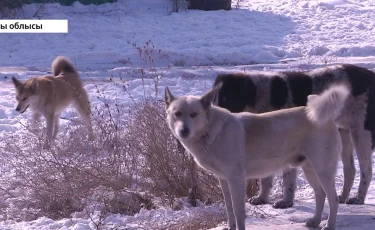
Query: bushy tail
(62, 64)
(328, 105)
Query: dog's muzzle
(184, 132)
(18, 109)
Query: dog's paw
(282, 204)
(328, 228)
(355, 200)
(313, 222)
(257, 200)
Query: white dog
(239, 146)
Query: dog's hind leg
(320, 171)
(362, 143)
(82, 104)
(289, 180)
(265, 189)
(326, 177)
(320, 196)
(228, 203)
(347, 158)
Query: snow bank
(257, 32)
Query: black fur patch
(370, 114)
(300, 85)
(363, 80)
(323, 81)
(360, 78)
(278, 92)
(237, 92)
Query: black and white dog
(259, 92)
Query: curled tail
(62, 64)
(328, 105)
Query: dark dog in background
(259, 92)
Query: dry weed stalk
(147, 55)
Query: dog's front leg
(320, 196)
(228, 204)
(56, 126)
(237, 187)
(35, 122)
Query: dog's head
(188, 115)
(25, 93)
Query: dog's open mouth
(25, 109)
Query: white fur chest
(205, 157)
(215, 156)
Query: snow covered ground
(190, 47)
(258, 32)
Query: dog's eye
(24, 99)
(177, 114)
(194, 114)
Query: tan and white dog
(48, 96)
(236, 147)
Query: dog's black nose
(18, 109)
(184, 132)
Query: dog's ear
(34, 86)
(16, 82)
(168, 97)
(209, 97)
